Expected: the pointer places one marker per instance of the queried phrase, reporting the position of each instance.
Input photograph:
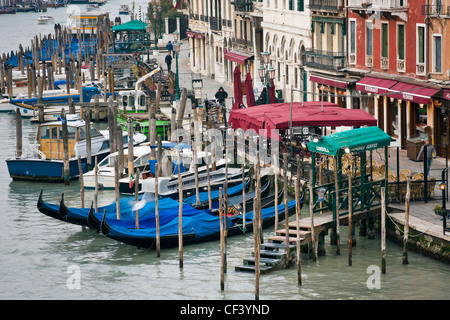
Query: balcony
(242, 45)
(326, 5)
(383, 5)
(214, 24)
(435, 10)
(321, 59)
(242, 5)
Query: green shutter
(291, 5)
(401, 42)
(300, 5)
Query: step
(268, 261)
(247, 267)
(293, 232)
(271, 253)
(283, 238)
(274, 245)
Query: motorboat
(45, 19)
(124, 9)
(45, 160)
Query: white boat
(106, 168)
(45, 19)
(124, 9)
(93, 6)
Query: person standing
(429, 149)
(221, 95)
(168, 61)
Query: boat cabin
(87, 22)
(50, 138)
(130, 100)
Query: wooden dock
(273, 252)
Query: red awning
(194, 34)
(277, 116)
(413, 93)
(333, 82)
(375, 85)
(235, 57)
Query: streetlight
(159, 10)
(154, 26)
(266, 73)
(176, 50)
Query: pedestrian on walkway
(429, 149)
(221, 95)
(168, 61)
(169, 47)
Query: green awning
(133, 25)
(357, 140)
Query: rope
(402, 232)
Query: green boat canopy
(357, 140)
(133, 25)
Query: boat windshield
(94, 132)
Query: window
(291, 4)
(384, 40)
(369, 39)
(300, 5)
(401, 42)
(437, 53)
(352, 36)
(420, 44)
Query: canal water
(40, 256)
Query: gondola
(87, 217)
(199, 226)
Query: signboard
(197, 83)
(320, 194)
(198, 93)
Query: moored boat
(124, 9)
(45, 160)
(197, 226)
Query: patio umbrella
(272, 98)
(237, 89)
(249, 91)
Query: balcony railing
(328, 60)
(326, 5)
(434, 9)
(377, 4)
(243, 5)
(214, 23)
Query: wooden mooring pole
(297, 218)
(350, 213)
(383, 231)
(136, 197)
(286, 213)
(311, 215)
(222, 243)
(257, 244)
(116, 185)
(180, 211)
(18, 134)
(406, 228)
(158, 237)
(65, 133)
(80, 169)
(96, 185)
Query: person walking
(169, 47)
(429, 149)
(168, 60)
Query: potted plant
(440, 211)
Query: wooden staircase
(273, 253)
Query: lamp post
(266, 73)
(159, 10)
(154, 26)
(176, 50)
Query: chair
(392, 192)
(390, 172)
(416, 190)
(402, 177)
(406, 172)
(392, 178)
(402, 188)
(418, 176)
(381, 168)
(431, 186)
